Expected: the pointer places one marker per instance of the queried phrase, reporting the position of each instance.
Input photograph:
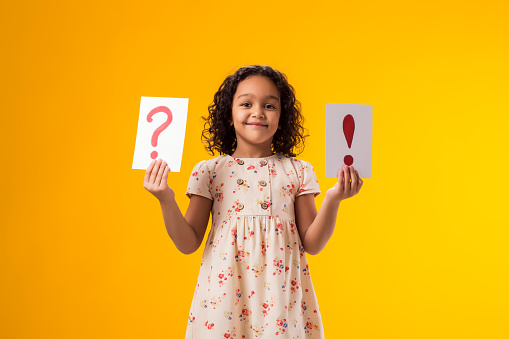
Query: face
(256, 110)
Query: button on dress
(254, 279)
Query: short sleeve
(307, 179)
(199, 182)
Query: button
(241, 206)
(263, 162)
(263, 183)
(265, 206)
(240, 181)
(240, 162)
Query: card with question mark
(161, 132)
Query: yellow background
(421, 252)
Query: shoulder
(300, 164)
(219, 162)
(285, 161)
(295, 166)
(305, 170)
(212, 166)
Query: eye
(245, 104)
(269, 106)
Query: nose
(257, 112)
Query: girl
(254, 278)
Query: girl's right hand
(156, 180)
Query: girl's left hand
(349, 184)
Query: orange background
(421, 252)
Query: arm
(187, 233)
(315, 229)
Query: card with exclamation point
(349, 129)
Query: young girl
(254, 278)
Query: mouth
(256, 124)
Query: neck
(246, 149)
(243, 153)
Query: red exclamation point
(348, 129)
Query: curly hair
(220, 135)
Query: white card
(161, 132)
(349, 138)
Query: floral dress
(254, 279)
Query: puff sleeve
(307, 179)
(199, 182)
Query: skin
(256, 110)
(255, 116)
(186, 232)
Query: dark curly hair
(220, 135)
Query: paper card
(161, 131)
(349, 138)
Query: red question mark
(162, 109)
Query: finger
(160, 174)
(347, 180)
(165, 174)
(149, 170)
(355, 179)
(155, 170)
(339, 173)
(341, 180)
(360, 182)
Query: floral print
(254, 278)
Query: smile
(254, 124)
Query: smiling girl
(254, 278)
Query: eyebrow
(268, 97)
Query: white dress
(254, 279)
